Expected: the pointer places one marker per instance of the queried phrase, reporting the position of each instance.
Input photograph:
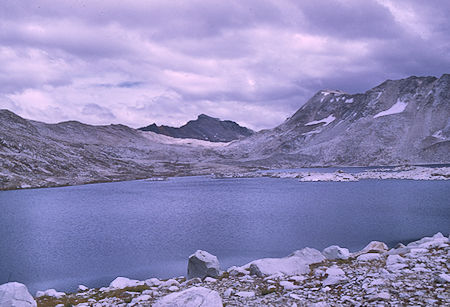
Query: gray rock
(192, 297)
(14, 294)
(202, 264)
(254, 270)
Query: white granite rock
(335, 252)
(245, 294)
(287, 285)
(51, 293)
(369, 257)
(192, 297)
(123, 282)
(443, 278)
(294, 264)
(391, 259)
(14, 294)
(169, 283)
(152, 282)
(335, 275)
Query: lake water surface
(61, 237)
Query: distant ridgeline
(204, 128)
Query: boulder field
(412, 274)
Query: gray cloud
(255, 62)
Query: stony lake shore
(398, 173)
(413, 275)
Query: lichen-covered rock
(192, 297)
(14, 294)
(202, 264)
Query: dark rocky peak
(203, 128)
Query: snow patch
(438, 134)
(326, 121)
(350, 100)
(398, 107)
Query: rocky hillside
(35, 154)
(397, 122)
(204, 128)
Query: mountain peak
(204, 116)
(204, 128)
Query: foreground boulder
(202, 264)
(296, 263)
(14, 294)
(192, 297)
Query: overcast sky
(255, 62)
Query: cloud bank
(255, 62)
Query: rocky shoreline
(399, 173)
(415, 274)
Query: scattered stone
(210, 279)
(287, 285)
(384, 296)
(369, 257)
(14, 294)
(335, 276)
(191, 282)
(236, 271)
(140, 299)
(391, 259)
(245, 294)
(169, 283)
(192, 297)
(443, 278)
(202, 264)
(50, 292)
(228, 292)
(82, 288)
(153, 282)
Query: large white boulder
(14, 294)
(373, 247)
(123, 282)
(192, 297)
(202, 264)
(335, 252)
(294, 264)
